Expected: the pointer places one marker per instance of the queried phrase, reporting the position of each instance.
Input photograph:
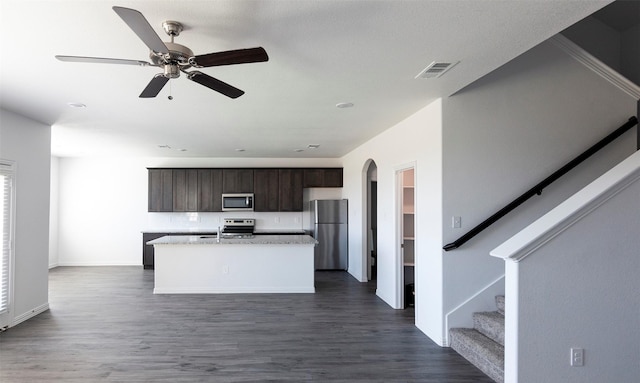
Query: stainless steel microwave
(237, 201)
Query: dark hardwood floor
(105, 325)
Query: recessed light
(298, 150)
(164, 146)
(343, 105)
(313, 146)
(181, 150)
(240, 150)
(76, 105)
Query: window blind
(6, 185)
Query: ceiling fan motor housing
(178, 54)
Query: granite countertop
(256, 240)
(215, 230)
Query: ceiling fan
(175, 58)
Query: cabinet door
(291, 189)
(148, 250)
(185, 190)
(266, 189)
(323, 178)
(160, 190)
(313, 178)
(332, 178)
(210, 190)
(237, 181)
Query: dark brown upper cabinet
(291, 189)
(185, 190)
(322, 178)
(237, 180)
(266, 190)
(209, 189)
(201, 189)
(160, 190)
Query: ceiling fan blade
(155, 86)
(238, 56)
(101, 60)
(215, 84)
(139, 24)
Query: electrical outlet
(456, 222)
(225, 270)
(276, 220)
(577, 357)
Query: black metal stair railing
(537, 190)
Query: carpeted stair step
(490, 324)
(500, 303)
(484, 353)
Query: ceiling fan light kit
(175, 58)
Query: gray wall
(618, 49)
(28, 143)
(508, 131)
(586, 278)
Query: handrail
(537, 190)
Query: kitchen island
(205, 264)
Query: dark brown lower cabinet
(148, 251)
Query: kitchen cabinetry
(209, 190)
(160, 190)
(147, 250)
(200, 189)
(148, 254)
(185, 190)
(291, 189)
(322, 178)
(237, 180)
(266, 190)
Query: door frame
(399, 230)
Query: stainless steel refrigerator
(330, 228)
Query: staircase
(483, 345)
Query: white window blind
(6, 185)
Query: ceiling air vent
(435, 69)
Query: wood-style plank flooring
(105, 325)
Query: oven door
(234, 202)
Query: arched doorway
(371, 209)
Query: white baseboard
(88, 264)
(237, 290)
(29, 314)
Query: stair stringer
(483, 300)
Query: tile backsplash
(211, 221)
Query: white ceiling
(321, 52)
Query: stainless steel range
(238, 228)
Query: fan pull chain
(170, 91)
